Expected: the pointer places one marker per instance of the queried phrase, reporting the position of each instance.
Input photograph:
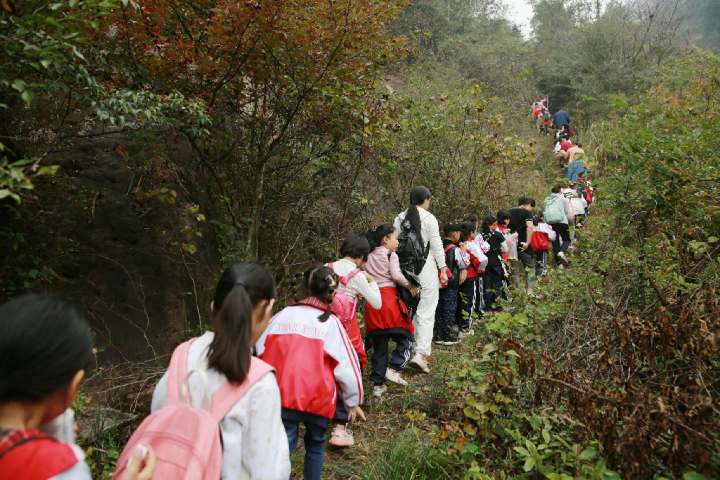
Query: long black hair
(320, 282)
(418, 195)
(240, 288)
(44, 342)
(375, 235)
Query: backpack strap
(177, 371)
(345, 279)
(229, 394)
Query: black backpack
(411, 251)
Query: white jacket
(254, 441)
(430, 233)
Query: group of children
(248, 385)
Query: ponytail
(321, 282)
(240, 289)
(376, 234)
(418, 195)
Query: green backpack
(554, 210)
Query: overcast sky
(520, 12)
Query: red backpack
(30, 454)
(187, 440)
(539, 242)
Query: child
(390, 322)
(510, 253)
(457, 260)
(540, 245)
(493, 279)
(353, 283)
(313, 358)
(468, 299)
(45, 347)
(252, 433)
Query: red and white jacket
(312, 359)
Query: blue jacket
(574, 170)
(561, 117)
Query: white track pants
(425, 315)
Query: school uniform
(313, 361)
(468, 299)
(541, 256)
(494, 276)
(446, 328)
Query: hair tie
(240, 284)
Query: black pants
(342, 415)
(479, 296)
(562, 240)
(466, 303)
(445, 314)
(493, 283)
(382, 359)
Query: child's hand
(414, 291)
(355, 413)
(141, 465)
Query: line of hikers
(232, 400)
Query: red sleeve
(353, 331)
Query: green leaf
(529, 464)
(19, 85)
(588, 454)
(693, 475)
(48, 170)
(45, 63)
(27, 97)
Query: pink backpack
(186, 440)
(344, 304)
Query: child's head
(356, 248)
(453, 231)
(45, 347)
(420, 196)
(527, 203)
(242, 307)
(468, 231)
(556, 189)
(503, 217)
(383, 235)
(320, 282)
(472, 218)
(489, 224)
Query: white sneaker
(394, 376)
(563, 258)
(342, 437)
(379, 390)
(419, 361)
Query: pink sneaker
(342, 437)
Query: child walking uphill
(254, 444)
(352, 283)
(45, 347)
(391, 321)
(469, 301)
(494, 277)
(457, 259)
(313, 357)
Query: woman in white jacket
(426, 227)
